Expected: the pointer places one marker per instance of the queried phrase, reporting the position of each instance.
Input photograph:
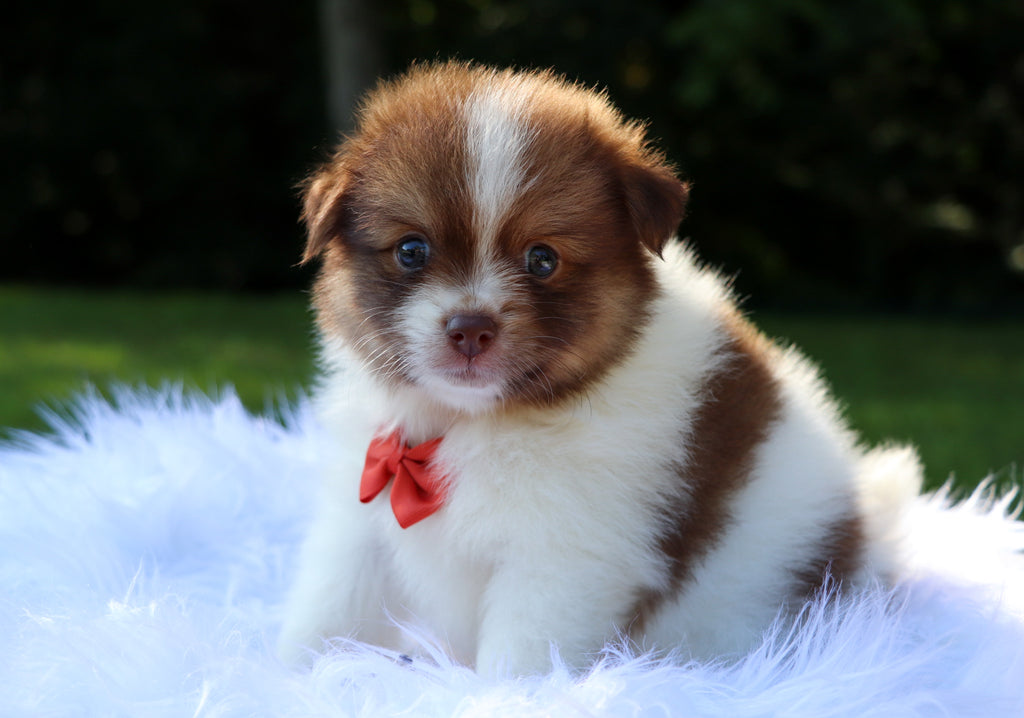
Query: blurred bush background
(865, 154)
(857, 165)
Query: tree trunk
(351, 59)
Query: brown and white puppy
(614, 450)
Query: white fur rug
(145, 547)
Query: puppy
(553, 426)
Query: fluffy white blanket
(145, 547)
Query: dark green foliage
(862, 153)
(156, 144)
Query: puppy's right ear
(323, 207)
(657, 202)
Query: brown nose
(471, 334)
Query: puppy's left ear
(657, 202)
(323, 208)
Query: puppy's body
(622, 453)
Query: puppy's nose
(471, 334)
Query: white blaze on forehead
(497, 137)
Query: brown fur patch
(742, 401)
(595, 305)
(839, 555)
(385, 182)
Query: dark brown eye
(541, 261)
(412, 252)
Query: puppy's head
(487, 236)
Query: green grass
(954, 388)
(55, 342)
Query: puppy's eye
(412, 252)
(541, 261)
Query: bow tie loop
(416, 491)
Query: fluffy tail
(973, 541)
(890, 479)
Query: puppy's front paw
(501, 656)
(297, 648)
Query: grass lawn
(55, 342)
(954, 388)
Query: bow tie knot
(417, 491)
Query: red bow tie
(417, 492)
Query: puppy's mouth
(465, 384)
(471, 373)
